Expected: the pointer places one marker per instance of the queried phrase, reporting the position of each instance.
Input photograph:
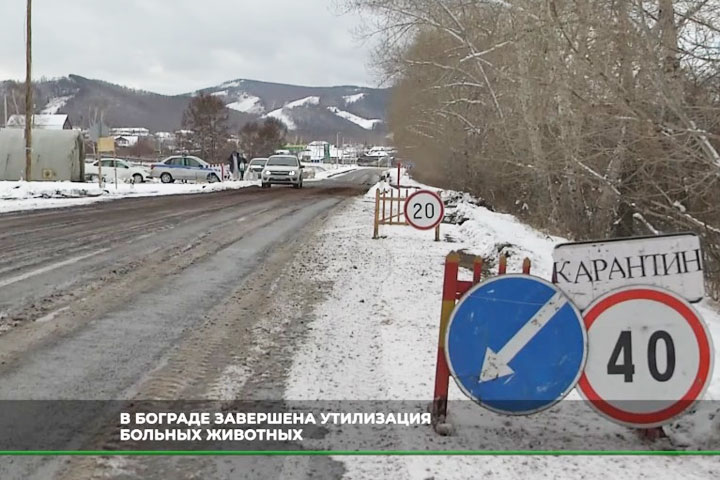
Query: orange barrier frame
(453, 290)
(396, 215)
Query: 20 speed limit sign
(424, 210)
(650, 356)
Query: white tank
(56, 155)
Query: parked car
(186, 168)
(126, 172)
(282, 170)
(255, 168)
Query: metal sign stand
(672, 256)
(453, 290)
(396, 216)
(105, 145)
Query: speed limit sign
(424, 210)
(650, 356)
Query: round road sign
(650, 356)
(424, 210)
(515, 344)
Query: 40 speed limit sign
(650, 356)
(424, 210)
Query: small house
(42, 121)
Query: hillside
(355, 113)
(323, 112)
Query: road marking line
(48, 268)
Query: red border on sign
(442, 210)
(696, 388)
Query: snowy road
(278, 295)
(152, 298)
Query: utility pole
(28, 95)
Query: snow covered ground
(324, 171)
(33, 195)
(374, 337)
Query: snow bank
(329, 171)
(35, 195)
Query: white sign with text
(587, 270)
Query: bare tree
(589, 118)
(207, 118)
(262, 139)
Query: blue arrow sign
(515, 344)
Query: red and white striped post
(453, 290)
(442, 371)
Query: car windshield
(282, 162)
(258, 162)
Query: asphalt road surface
(159, 298)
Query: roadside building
(130, 132)
(42, 121)
(165, 142)
(126, 141)
(319, 151)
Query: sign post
(106, 145)
(95, 133)
(426, 208)
(650, 356)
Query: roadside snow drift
(34, 195)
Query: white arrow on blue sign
(516, 344)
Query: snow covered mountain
(311, 113)
(350, 111)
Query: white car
(126, 172)
(282, 170)
(254, 168)
(187, 168)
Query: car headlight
(292, 173)
(266, 173)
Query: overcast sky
(177, 46)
